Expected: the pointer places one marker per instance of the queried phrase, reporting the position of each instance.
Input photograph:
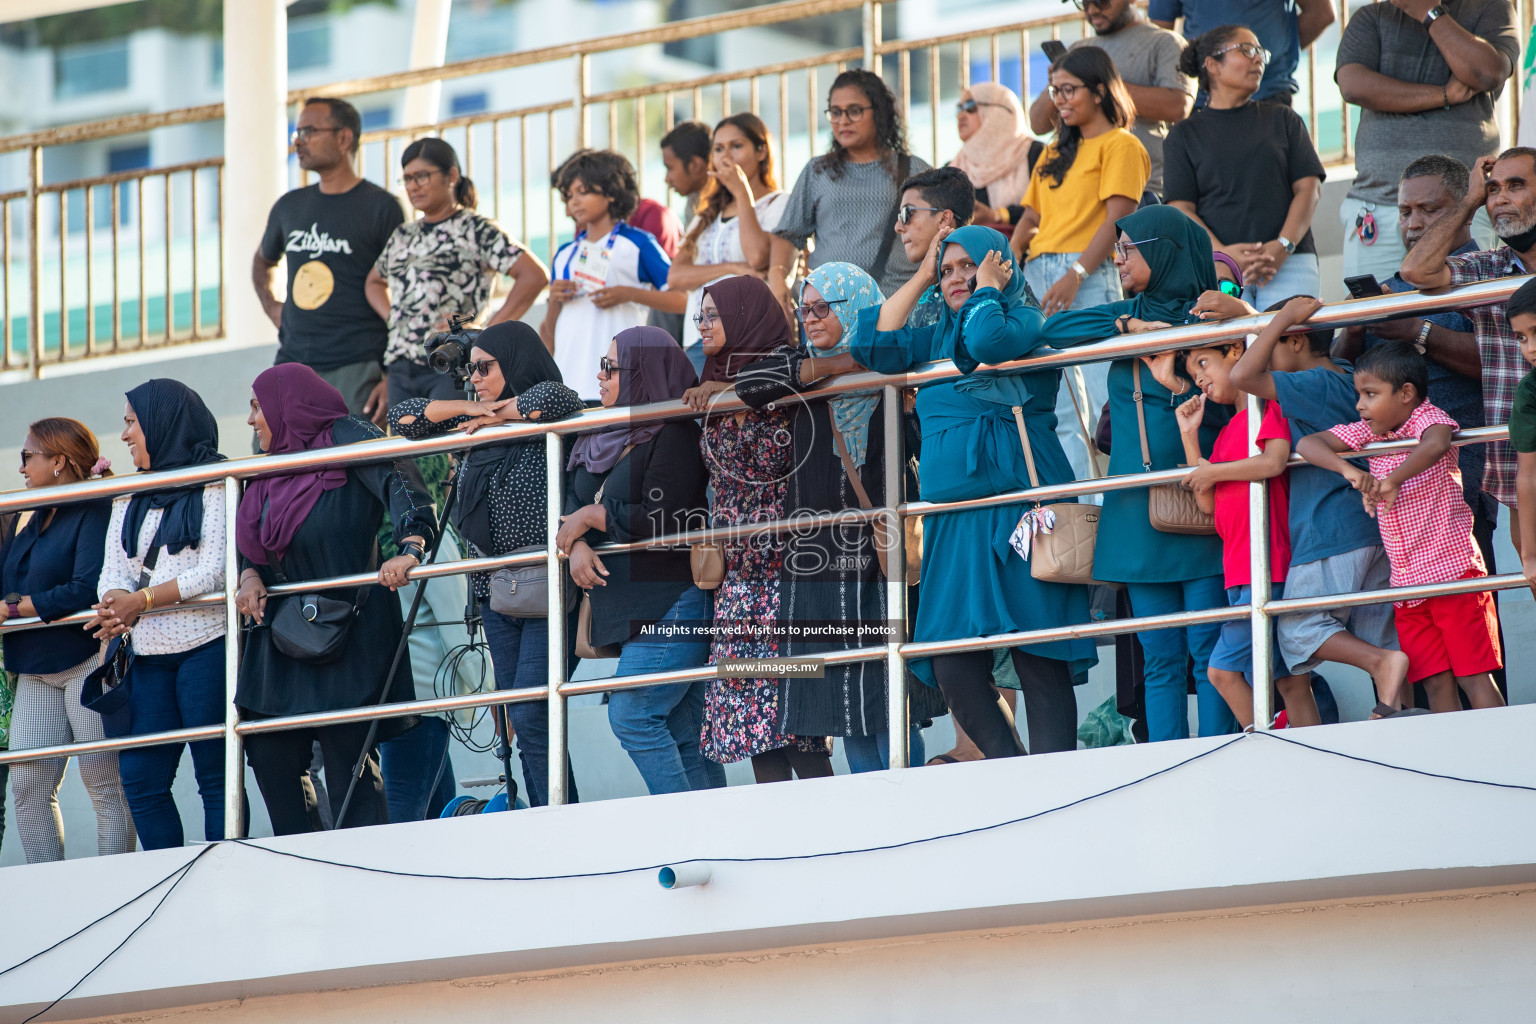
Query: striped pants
(48, 712)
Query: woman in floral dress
(750, 456)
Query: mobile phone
(1053, 49)
(1363, 287)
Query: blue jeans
(873, 753)
(520, 656)
(411, 762)
(174, 691)
(659, 726)
(1298, 275)
(1167, 658)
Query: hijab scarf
(754, 325)
(998, 154)
(524, 362)
(652, 368)
(179, 431)
(299, 408)
(1179, 252)
(857, 291)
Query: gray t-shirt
(1382, 38)
(848, 216)
(1148, 56)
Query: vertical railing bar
(904, 83)
(933, 97)
(698, 103)
(754, 96)
(965, 63)
(90, 308)
(234, 761)
(812, 111)
(1312, 94)
(218, 220)
(469, 150)
(640, 143)
(63, 278)
(896, 581)
(1258, 543)
(613, 126)
(783, 125)
(549, 119)
(169, 319)
(997, 63)
(34, 255)
(1344, 107)
(554, 465)
(1025, 93)
(117, 306)
(669, 112)
(583, 86)
(143, 268)
(5, 273)
(496, 169)
(523, 225)
(197, 303)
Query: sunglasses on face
(607, 367)
(817, 310)
(480, 368)
(303, 134)
(904, 215)
(26, 455)
(1231, 288)
(1083, 5)
(971, 106)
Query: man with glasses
(934, 202)
(1284, 27)
(1426, 77)
(1147, 58)
(331, 234)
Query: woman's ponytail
(464, 192)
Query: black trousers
(1050, 702)
(281, 762)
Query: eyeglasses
(1123, 249)
(970, 106)
(904, 215)
(480, 368)
(1252, 51)
(1083, 5)
(419, 178)
(303, 134)
(1231, 288)
(817, 310)
(606, 366)
(853, 113)
(25, 455)
(1066, 92)
(703, 318)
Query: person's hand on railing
(1161, 366)
(587, 570)
(575, 526)
(698, 398)
(396, 572)
(490, 414)
(116, 613)
(1133, 325)
(251, 598)
(1218, 305)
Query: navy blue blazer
(58, 569)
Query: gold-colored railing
(510, 153)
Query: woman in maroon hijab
(310, 525)
(749, 456)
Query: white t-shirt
(721, 243)
(624, 256)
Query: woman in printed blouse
(975, 582)
(750, 457)
(503, 506)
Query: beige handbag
(707, 560)
(1064, 533)
(1171, 507)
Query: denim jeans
(659, 726)
(174, 691)
(520, 656)
(1092, 381)
(1168, 652)
(873, 753)
(412, 762)
(1298, 275)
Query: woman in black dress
(311, 525)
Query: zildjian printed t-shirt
(329, 243)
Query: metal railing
(895, 653)
(152, 251)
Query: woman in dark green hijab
(1165, 262)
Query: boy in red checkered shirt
(1426, 527)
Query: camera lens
(447, 357)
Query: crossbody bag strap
(848, 466)
(147, 567)
(1141, 416)
(597, 497)
(1082, 424)
(1029, 454)
(888, 240)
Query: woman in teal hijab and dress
(831, 575)
(975, 582)
(1164, 258)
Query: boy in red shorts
(1426, 527)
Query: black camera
(448, 352)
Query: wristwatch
(1423, 337)
(1286, 244)
(1434, 12)
(13, 605)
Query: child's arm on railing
(1252, 374)
(1432, 446)
(1322, 450)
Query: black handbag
(107, 686)
(312, 628)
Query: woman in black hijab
(503, 506)
(177, 679)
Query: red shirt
(1428, 530)
(1232, 499)
(660, 221)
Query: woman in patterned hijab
(843, 289)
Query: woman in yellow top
(1092, 174)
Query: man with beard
(1147, 58)
(1506, 186)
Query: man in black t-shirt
(331, 234)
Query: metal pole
(896, 582)
(1258, 563)
(34, 258)
(234, 759)
(555, 470)
(871, 26)
(583, 86)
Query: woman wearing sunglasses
(502, 507)
(1246, 170)
(994, 152)
(1091, 174)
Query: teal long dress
(974, 583)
